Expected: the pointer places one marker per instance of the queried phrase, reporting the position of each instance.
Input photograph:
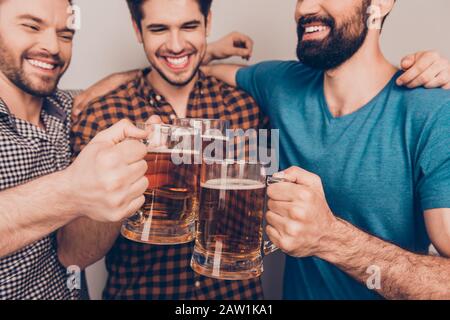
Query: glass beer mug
(171, 201)
(229, 242)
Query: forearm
(403, 275)
(32, 211)
(224, 72)
(84, 241)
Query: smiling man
(173, 34)
(39, 190)
(368, 161)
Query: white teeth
(41, 64)
(178, 61)
(315, 29)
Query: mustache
(55, 59)
(186, 51)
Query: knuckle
(292, 229)
(423, 79)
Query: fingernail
(279, 175)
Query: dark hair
(135, 7)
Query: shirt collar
(51, 106)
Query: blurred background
(106, 43)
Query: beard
(15, 72)
(339, 46)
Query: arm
(224, 72)
(85, 241)
(404, 275)
(106, 183)
(234, 44)
(302, 224)
(32, 211)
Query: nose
(176, 42)
(307, 8)
(50, 43)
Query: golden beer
(171, 200)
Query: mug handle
(268, 246)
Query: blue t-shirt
(381, 166)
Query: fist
(298, 214)
(108, 177)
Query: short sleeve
(259, 79)
(434, 161)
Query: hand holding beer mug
(171, 200)
(229, 243)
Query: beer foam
(233, 184)
(170, 151)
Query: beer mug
(229, 242)
(172, 198)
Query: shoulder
(63, 100)
(105, 110)
(277, 69)
(235, 99)
(424, 104)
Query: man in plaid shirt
(39, 190)
(174, 36)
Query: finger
(274, 236)
(136, 171)
(154, 119)
(427, 75)
(408, 61)
(299, 176)
(120, 131)
(440, 81)
(276, 221)
(281, 208)
(284, 191)
(422, 63)
(131, 151)
(137, 189)
(134, 206)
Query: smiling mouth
(177, 63)
(315, 31)
(42, 65)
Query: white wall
(106, 44)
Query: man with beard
(40, 191)
(173, 34)
(367, 187)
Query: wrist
(209, 55)
(66, 192)
(331, 242)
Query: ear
(138, 32)
(209, 24)
(385, 6)
(378, 11)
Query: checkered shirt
(152, 272)
(26, 153)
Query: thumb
(119, 132)
(154, 119)
(408, 61)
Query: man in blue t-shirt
(368, 162)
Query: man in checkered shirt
(173, 88)
(39, 191)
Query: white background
(106, 44)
